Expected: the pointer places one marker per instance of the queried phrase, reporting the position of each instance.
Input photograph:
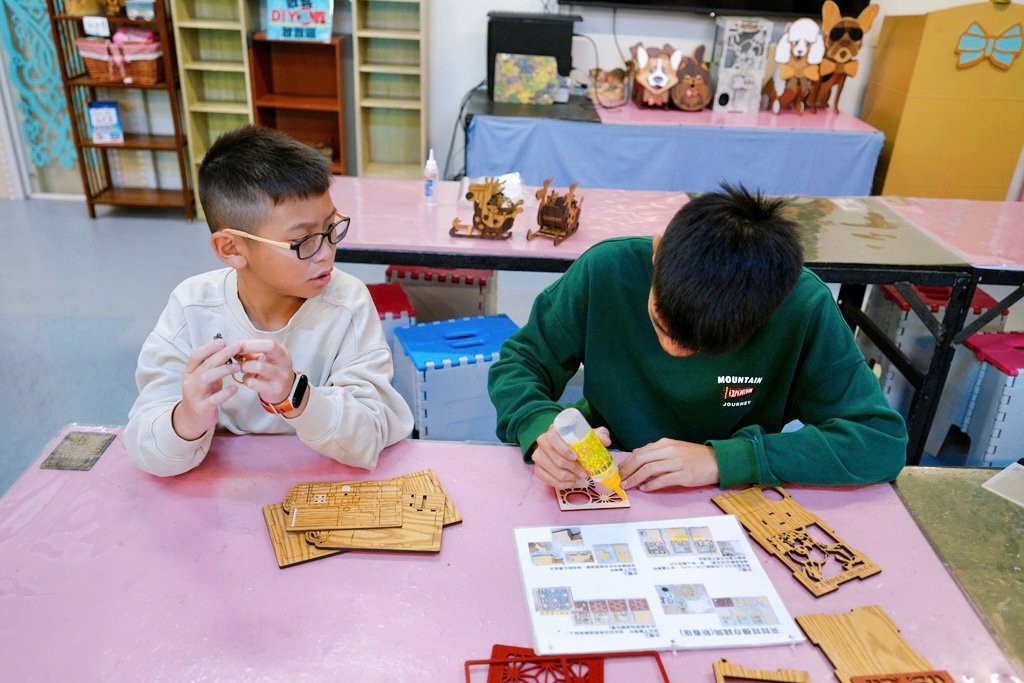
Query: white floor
(77, 299)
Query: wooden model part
(784, 527)
(422, 520)
(289, 548)
(558, 216)
(344, 505)
(493, 212)
(860, 642)
(726, 671)
(425, 481)
(910, 677)
(586, 495)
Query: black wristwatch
(294, 399)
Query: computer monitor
(529, 34)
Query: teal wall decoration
(33, 70)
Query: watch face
(301, 383)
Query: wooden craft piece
(784, 528)
(422, 520)
(509, 663)
(976, 45)
(425, 481)
(860, 642)
(289, 548)
(798, 56)
(693, 90)
(493, 212)
(844, 37)
(558, 216)
(911, 677)
(654, 74)
(344, 505)
(727, 671)
(587, 495)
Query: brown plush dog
(655, 74)
(693, 91)
(844, 37)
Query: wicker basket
(109, 62)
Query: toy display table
(114, 574)
(823, 154)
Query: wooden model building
(493, 212)
(558, 216)
(784, 528)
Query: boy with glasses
(301, 340)
(700, 345)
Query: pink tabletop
(988, 234)
(631, 115)
(112, 574)
(391, 215)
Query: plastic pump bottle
(595, 458)
(430, 180)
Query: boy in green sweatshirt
(700, 345)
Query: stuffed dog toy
(693, 91)
(798, 55)
(655, 74)
(844, 37)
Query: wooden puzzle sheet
(422, 521)
(290, 547)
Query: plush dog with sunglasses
(844, 37)
(302, 338)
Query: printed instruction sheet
(660, 585)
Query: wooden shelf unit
(390, 59)
(214, 65)
(80, 89)
(297, 88)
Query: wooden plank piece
(289, 548)
(422, 520)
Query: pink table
(112, 574)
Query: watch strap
(292, 401)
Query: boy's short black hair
(251, 169)
(725, 263)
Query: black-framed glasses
(308, 246)
(855, 32)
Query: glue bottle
(430, 180)
(595, 458)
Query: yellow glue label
(594, 457)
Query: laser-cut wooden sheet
(910, 677)
(290, 548)
(727, 671)
(422, 519)
(863, 641)
(401, 513)
(586, 495)
(812, 550)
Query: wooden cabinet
(214, 65)
(297, 89)
(391, 84)
(94, 160)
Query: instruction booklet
(661, 585)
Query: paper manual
(661, 585)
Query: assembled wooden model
(798, 56)
(493, 212)
(784, 528)
(844, 37)
(558, 216)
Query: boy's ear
(228, 249)
(654, 250)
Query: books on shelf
(105, 122)
(299, 19)
(659, 585)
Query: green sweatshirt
(802, 365)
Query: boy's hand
(203, 390)
(668, 462)
(556, 463)
(267, 369)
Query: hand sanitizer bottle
(430, 180)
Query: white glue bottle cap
(571, 426)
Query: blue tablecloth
(673, 158)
